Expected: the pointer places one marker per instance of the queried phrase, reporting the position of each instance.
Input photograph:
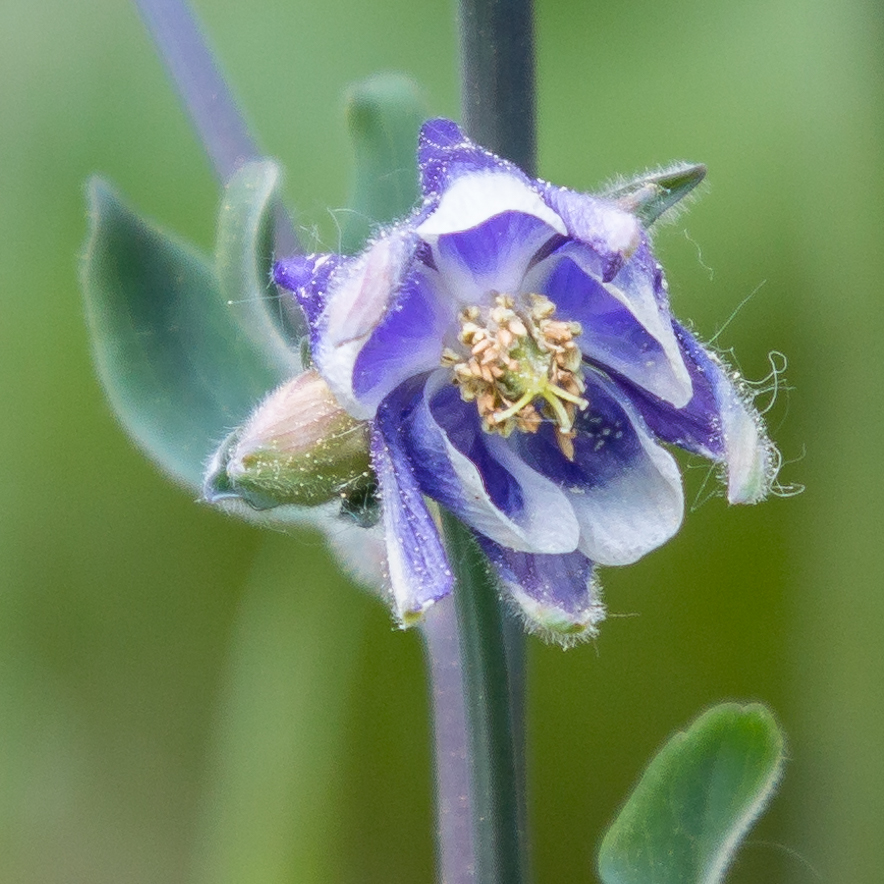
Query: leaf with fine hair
(649, 196)
(243, 260)
(384, 114)
(180, 363)
(696, 800)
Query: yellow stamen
(515, 357)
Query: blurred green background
(145, 738)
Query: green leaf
(384, 115)
(180, 365)
(243, 259)
(649, 196)
(696, 800)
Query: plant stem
(454, 818)
(494, 790)
(497, 77)
(201, 86)
(480, 734)
(207, 97)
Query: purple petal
(658, 364)
(624, 488)
(408, 341)
(556, 594)
(719, 422)
(358, 297)
(612, 234)
(445, 153)
(492, 257)
(418, 567)
(308, 276)
(476, 475)
(612, 336)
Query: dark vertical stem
(498, 107)
(495, 798)
(497, 77)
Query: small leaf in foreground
(696, 800)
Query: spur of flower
(511, 347)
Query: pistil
(521, 366)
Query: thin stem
(497, 77)
(495, 789)
(498, 109)
(455, 824)
(200, 84)
(209, 103)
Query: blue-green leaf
(178, 367)
(384, 114)
(243, 257)
(696, 800)
(649, 196)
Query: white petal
(636, 510)
(546, 522)
(632, 287)
(478, 196)
(357, 302)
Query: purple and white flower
(512, 346)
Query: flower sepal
(649, 196)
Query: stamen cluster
(515, 357)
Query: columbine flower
(512, 346)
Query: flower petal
(490, 258)
(652, 360)
(445, 153)
(308, 276)
(409, 339)
(476, 475)
(612, 337)
(612, 234)
(474, 197)
(719, 422)
(557, 595)
(624, 488)
(359, 296)
(418, 566)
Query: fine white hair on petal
(749, 459)
(477, 196)
(752, 460)
(596, 222)
(553, 624)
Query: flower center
(519, 361)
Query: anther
(517, 359)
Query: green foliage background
(122, 603)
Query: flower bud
(298, 447)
